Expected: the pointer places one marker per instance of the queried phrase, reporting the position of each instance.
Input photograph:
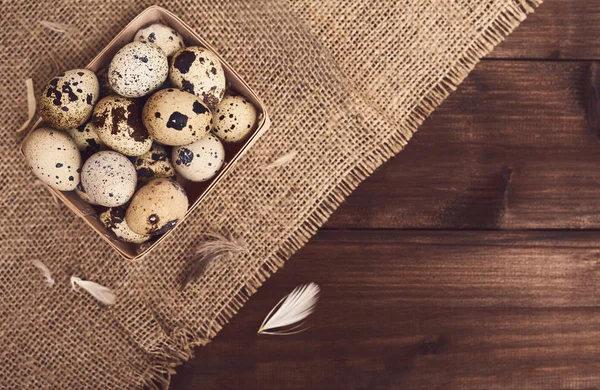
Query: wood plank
(559, 29)
(420, 310)
(510, 149)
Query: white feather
(281, 161)
(45, 271)
(101, 293)
(31, 105)
(290, 312)
(56, 27)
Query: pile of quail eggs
(123, 138)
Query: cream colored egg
(118, 122)
(114, 220)
(108, 178)
(234, 119)
(157, 207)
(175, 117)
(198, 70)
(86, 138)
(68, 99)
(54, 158)
(137, 69)
(162, 36)
(154, 163)
(201, 160)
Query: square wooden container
(196, 191)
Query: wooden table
(471, 260)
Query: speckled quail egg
(86, 138)
(114, 220)
(154, 163)
(138, 69)
(235, 118)
(198, 70)
(175, 117)
(109, 178)
(68, 99)
(157, 207)
(83, 195)
(54, 158)
(162, 36)
(118, 122)
(201, 160)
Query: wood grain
(559, 29)
(511, 149)
(420, 310)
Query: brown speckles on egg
(86, 138)
(66, 107)
(175, 117)
(155, 163)
(137, 69)
(201, 160)
(119, 125)
(114, 220)
(54, 158)
(162, 36)
(198, 71)
(237, 119)
(109, 178)
(157, 207)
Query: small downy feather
(31, 105)
(281, 161)
(56, 27)
(101, 293)
(287, 317)
(45, 271)
(217, 247)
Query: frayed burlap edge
(182, 341)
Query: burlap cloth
(347, 83)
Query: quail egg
(235, 118)
(162, 36)
(109, 178)
(86, 138)
(114, 220)
(157, 207)
(175, 117)
(201, 160)
(68, 99)
(54, 158)
(118, 122)
(154, 163)
(138, 69)
(198, 70)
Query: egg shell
(105, 88)
(198, 70)
(68, 99)
(154, 163)
(118, 122)
(175, 117)
(201, 160)
(114, 220)
(54, 158)
(234, 119)
(162, 36)
(137, 69)
(109, 178)
(157, 207)
(86, 138)
(83, 195)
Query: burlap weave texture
(347, 83)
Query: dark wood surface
(469, 261)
